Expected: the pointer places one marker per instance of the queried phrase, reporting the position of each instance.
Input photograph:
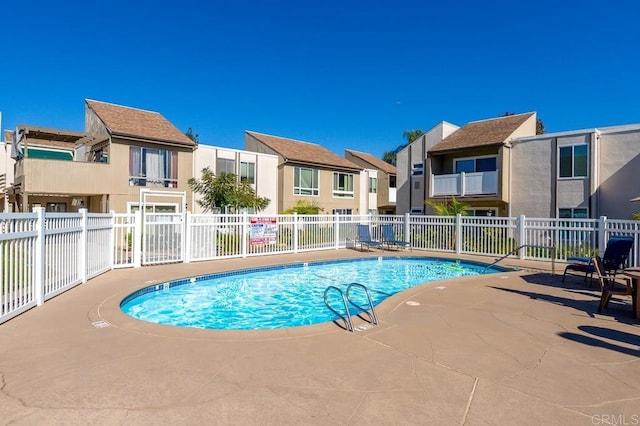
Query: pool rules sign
(263, 230)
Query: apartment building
(584, 173)
(310, 172)
(122, 150)
(380, 180)
(501, 167)
(260, 170)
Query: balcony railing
(392, 195)
(461, 184)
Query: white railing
(44, 254)
(462, 184)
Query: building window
(573, 213)
(305, 181)
(573, 161)
(373, 185)
(342, 185)
(482, 212)
(392, 181)
(476, 165)
(225, 165)
(417, 210)
(417, 169)
(248, 172)
(153, 167)
(56, 207)
(153, 207)
(342, 211)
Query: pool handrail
(347, 319)
(373, 317)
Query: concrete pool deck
(507, 348)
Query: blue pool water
(283, 296)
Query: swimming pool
(286, 295)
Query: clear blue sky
(344, 74)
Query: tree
(410, 136)
(222, 191)
(194, 137)
(448, 208)
(304, 207)
(636, 216)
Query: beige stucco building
(310, 172)
(122, 150)
(260, 170)
(380, 181)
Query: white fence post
(336, 230)
(407, 227)
(137, 239)
(186, 246)
(112, 241)
(245, 229)
(522, 236)
(40, 256)
(458, 233)
(83, 262)
(295, 232)
(602, 238)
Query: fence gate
(163, 234)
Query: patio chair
(364, 238)
(614, 258)
(609, 285)
(389, 237)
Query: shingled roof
(375, 163)
(303, 152)
(482, 133)
(137, 123)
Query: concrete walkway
(505, 349)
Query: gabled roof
(136, 123)
(296, 151)
(481, 133)
(375, 163)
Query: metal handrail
(347, 320)
(553, 256)
(373, 318)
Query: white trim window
(225, 165)
(417, 169)
(342, 185)
(133, 207)
(153, 167)
(373, 185)
(248, 172)
(573, 213)
(573, 161)
(305, 181)
(476, 164)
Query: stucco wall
(266, 171)
(619, 174)
(532, 178)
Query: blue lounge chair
(614, 258)
(364, 238)
(389, 237)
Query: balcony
(69, 177)
(462, 184)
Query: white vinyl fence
(44, 254)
